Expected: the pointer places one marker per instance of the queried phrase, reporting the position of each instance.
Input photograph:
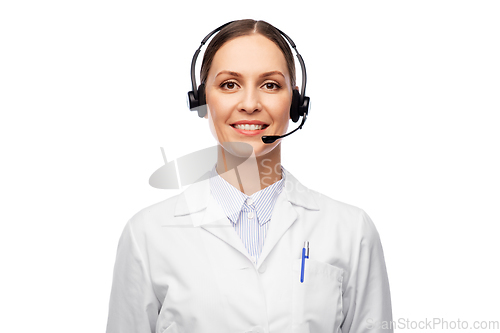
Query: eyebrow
(271, 74)
(266, 74)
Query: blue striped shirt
(249, 215)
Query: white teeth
(248, 127)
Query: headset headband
(290, 41)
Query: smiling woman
(248, 84)
(249, 249)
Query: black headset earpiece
(298, 109)
(303, 108)
(300, 102)
(197, 102)
(294, 107)
(201, 96)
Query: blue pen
(305, 254)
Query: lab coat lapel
(216, 223)
(285, 213)
(207, 214)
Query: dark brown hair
(245, 28)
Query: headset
(300, 102)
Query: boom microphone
(272, 138)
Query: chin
(238, 149)
(263, 149)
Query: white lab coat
(181, 268)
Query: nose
(250, 101)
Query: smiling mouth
(250, 127)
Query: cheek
(281, 109)
(220, 107)
(211, 124)
(214, 109)
(217, 116)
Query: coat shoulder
(348, 217)
(155, 215)
(328, 203)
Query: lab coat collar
(197, 198)
(204, 212)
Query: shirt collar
(197, 202)
(233, 201)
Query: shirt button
(249, 201)
(262, 268)
(250, 215)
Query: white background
(404, 124)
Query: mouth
(249, 129)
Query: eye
(271, 86)
(229, 85)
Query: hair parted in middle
(244, 28)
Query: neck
(251, 174)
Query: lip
(248, 133)
(250, 122)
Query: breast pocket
(317, 302)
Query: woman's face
(248, 93)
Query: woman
(228, 254)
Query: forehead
(253, 54)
